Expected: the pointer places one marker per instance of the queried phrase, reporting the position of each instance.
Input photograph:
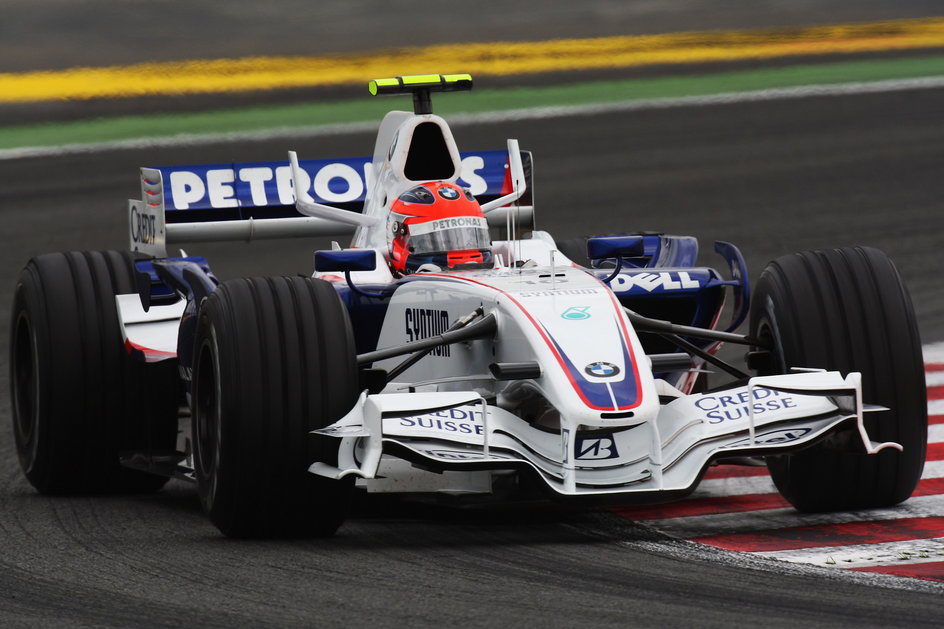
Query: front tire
(847, 310)
(78, 397)
(274, 359)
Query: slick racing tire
(79, 399)
(274, 359)
(847, 310)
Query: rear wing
(251, 201)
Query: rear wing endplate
(252, 201)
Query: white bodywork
(605, 444)
(603, 424)
(154, 333)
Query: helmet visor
(459, 233)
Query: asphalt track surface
(772, 177)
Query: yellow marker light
(421, 86)
(375, 85)
(419, 79)
(455, 78)
(413, 82)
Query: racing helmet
(440, 224)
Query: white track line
(863, 555)
(934, 378)
(735, 486)
(536, 113)
(934, 353)
(935, 432)
(933, 469)
(742, 486)
(753, 521)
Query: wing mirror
(601, 247)
(345, 260)
(616, 247)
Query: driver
(437, 226)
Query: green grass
(480, 100)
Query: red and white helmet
(440, 224)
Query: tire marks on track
(738, 508)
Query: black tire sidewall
(282, 352)
(93, 400)
(847, 310)
(27, 320)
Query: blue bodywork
(658, 279)
(161, 282)
(664, 283)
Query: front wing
(459, 431)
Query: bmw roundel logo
(449, 194)
(601, 369)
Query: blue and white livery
(585, 373)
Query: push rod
(657, 326)
(485, 327)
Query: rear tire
(274, 359)
(847, 310)
(78, 397)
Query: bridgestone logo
(596, 448)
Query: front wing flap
(460, 431)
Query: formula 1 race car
(434, 357)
